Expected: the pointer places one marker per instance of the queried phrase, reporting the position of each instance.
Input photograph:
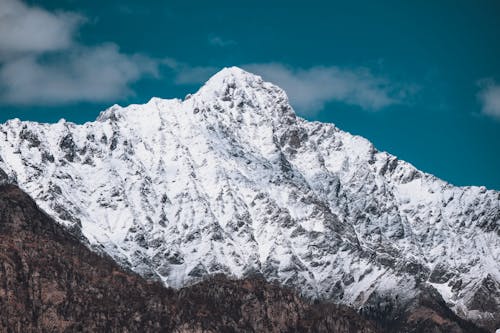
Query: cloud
(219, 41)
(26, 29)
(310, 89)
(82, 74)
(489, 97)
(42, 63)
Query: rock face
(49, 282)
(427, 313)
(231, 181)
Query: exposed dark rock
(68, 146)
(429, 313)
(426, 313)
(47, 157)
(198, 271)
(484, 299)
(253, 305)
(440, 275)
(29, 137)
(4, 178)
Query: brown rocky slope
(50, 282)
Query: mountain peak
(230, 78)
(231, 91)
(236, 72)
(235, 90)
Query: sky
(420, 80)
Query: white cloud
(42, 63)
(310, 89)
(26, 29)
(83, 74)
(489, 97)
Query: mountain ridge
(230, 180)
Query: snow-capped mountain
(230, 180)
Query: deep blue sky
(434, 66)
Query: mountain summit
(229, 180)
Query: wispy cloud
(310, 89)
(42, 63)
(84, 74)
(489, 97)
(215, 40)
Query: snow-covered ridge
(231, 180)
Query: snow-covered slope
(230, 180)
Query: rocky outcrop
(427, 312)
(254, 305)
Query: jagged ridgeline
(229, 180)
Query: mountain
(50, 282)
(229, 180)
